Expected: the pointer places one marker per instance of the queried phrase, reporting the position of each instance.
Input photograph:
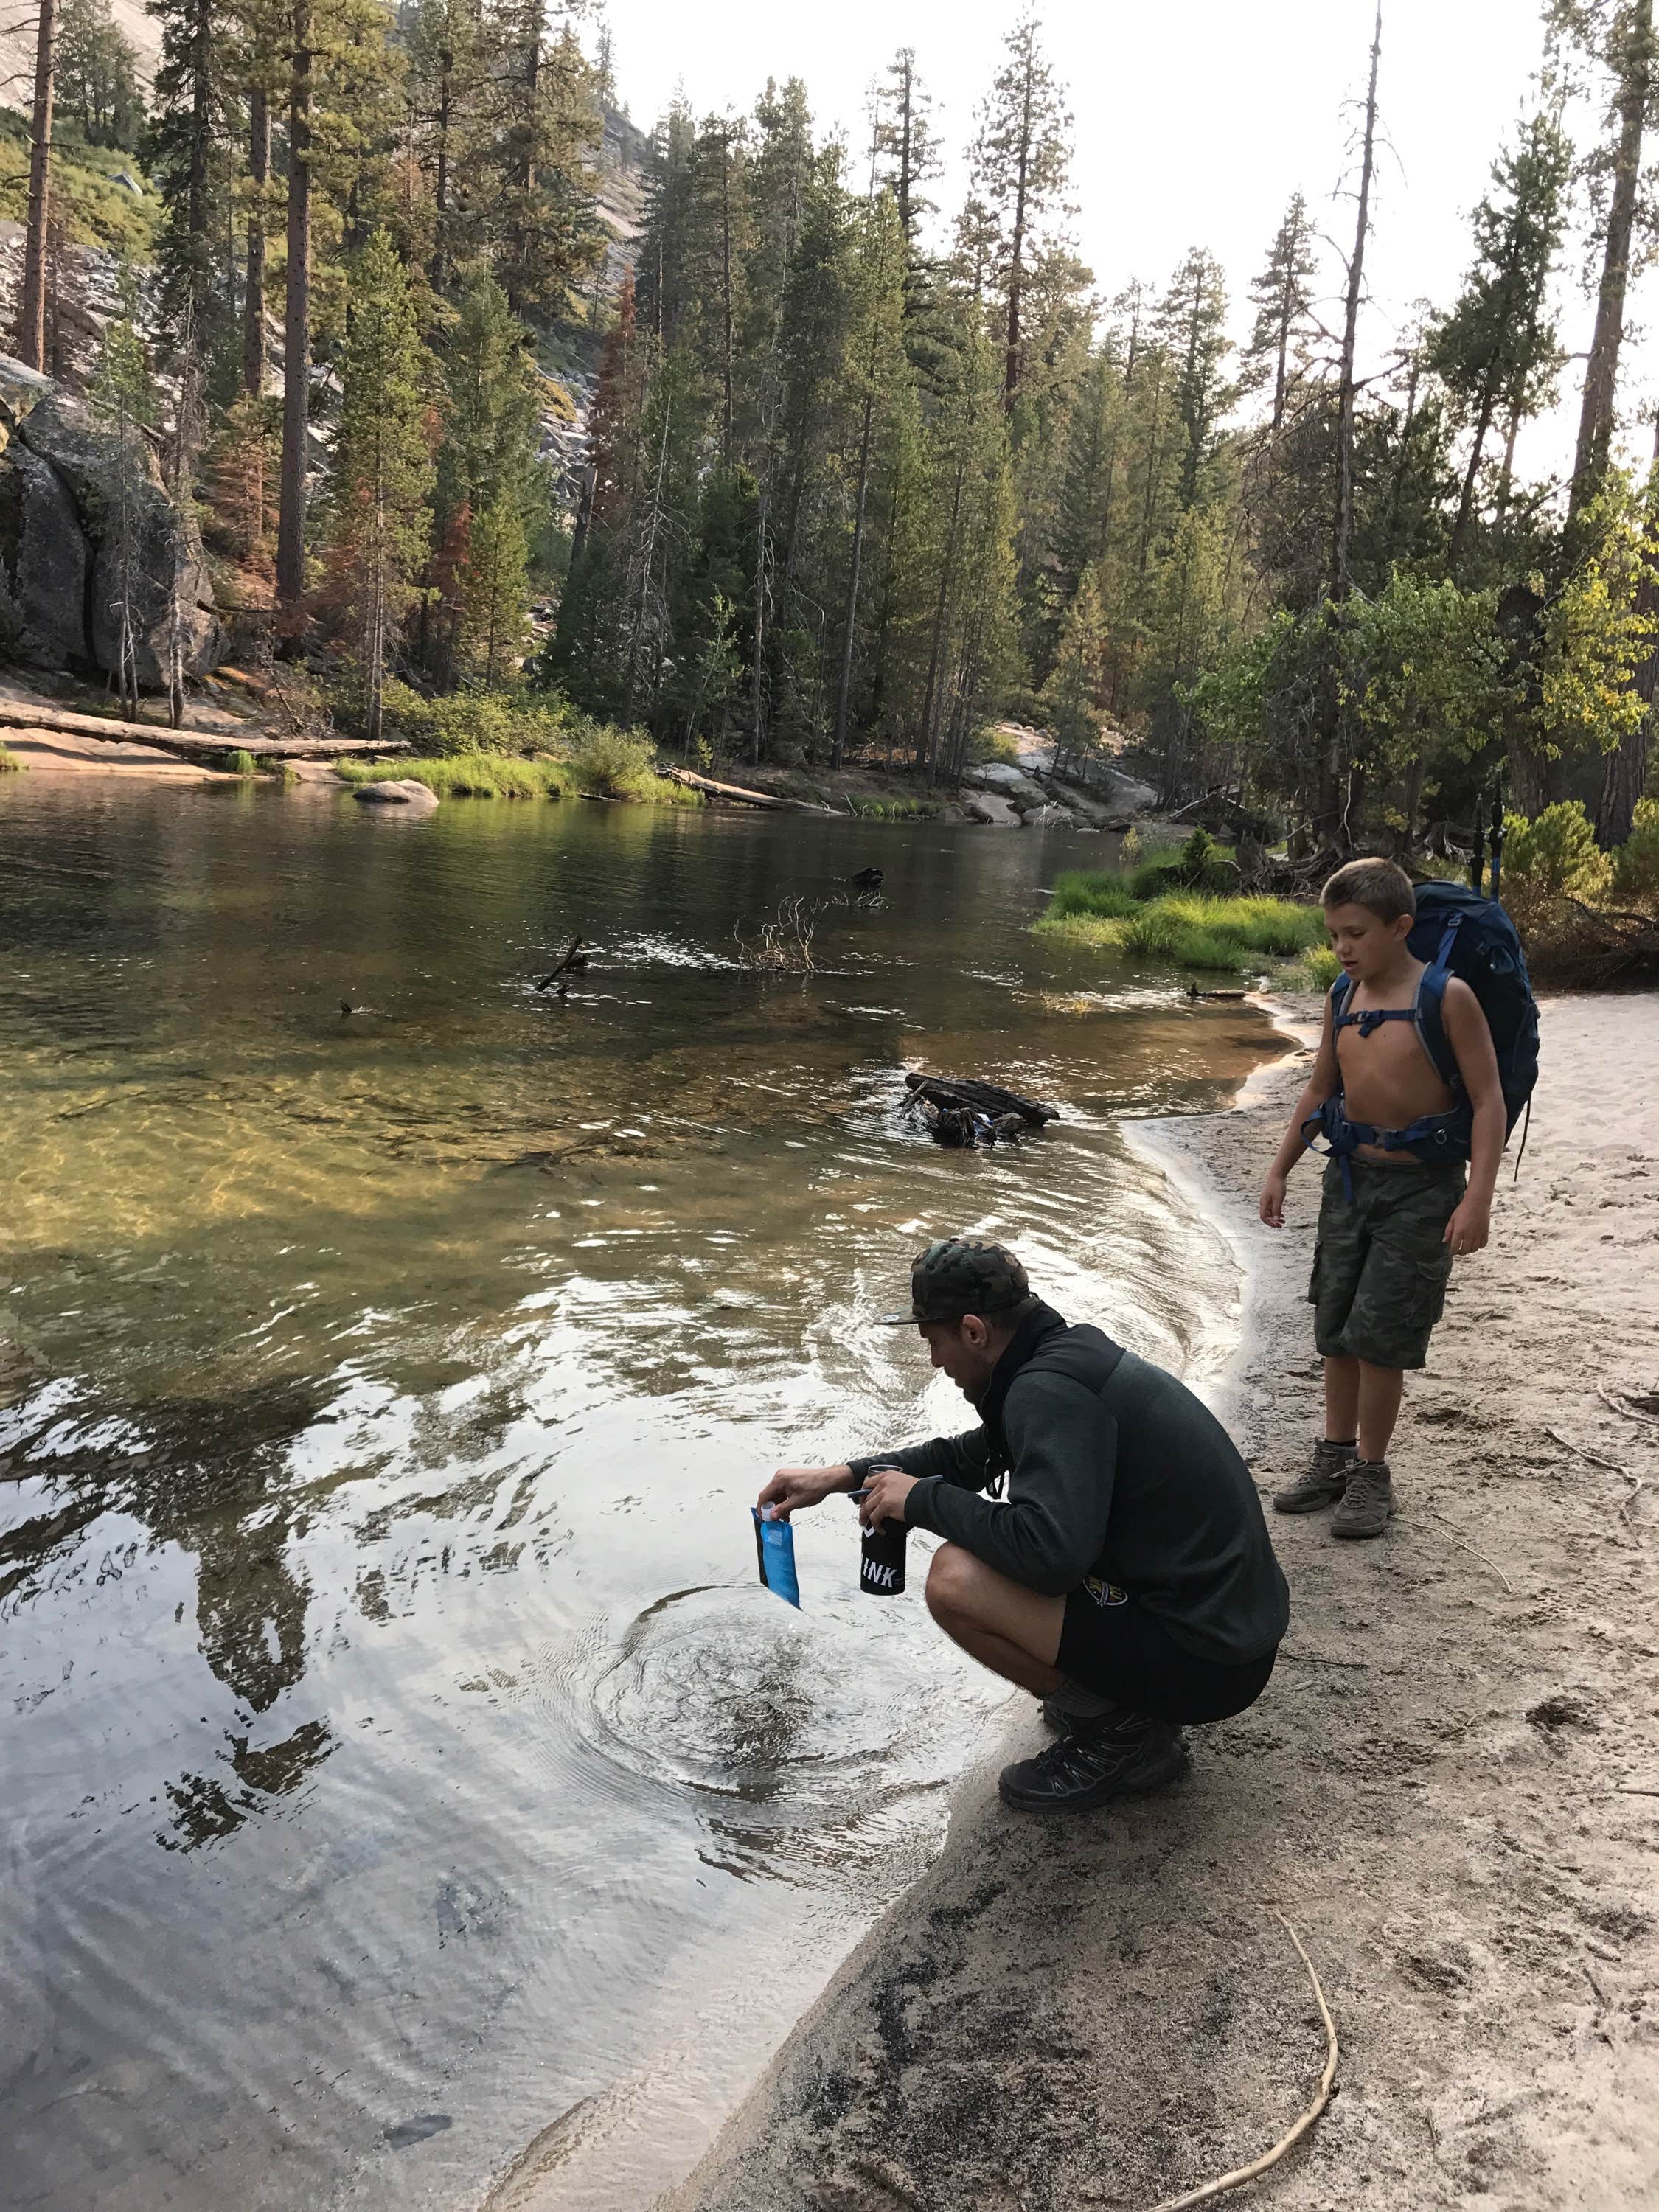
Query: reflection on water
(401, 1759)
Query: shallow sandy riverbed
(1441, 1788)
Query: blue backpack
(1459, 933)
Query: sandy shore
(1443, 1788)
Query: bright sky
(1194, 122)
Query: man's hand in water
(885, 1496)
(1273, 1199)
(794, 1486)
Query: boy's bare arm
(1321, 1083)
(1477, 1063)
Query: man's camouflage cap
(961, 1275)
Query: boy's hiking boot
(1094, 1761)
(1367, 1501)
(1061, 1715)
(1326, 1479)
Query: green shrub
(517, 721)
(9, 763)
(1200, 865)
(1553, 858)
(989, 743)
(620, 762)
(1635, 863)
(241, 763)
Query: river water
(402, 1765)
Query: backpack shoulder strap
(1430, 1010)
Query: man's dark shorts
(1381, 1263)
(1110, 1644)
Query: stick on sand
(1322, 2097)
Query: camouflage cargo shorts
(1381, 1265)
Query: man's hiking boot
(1093, 1762)
(1326, 1479)
(1367, 1501)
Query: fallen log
(747, 798)
(984, 1097)
(26, 714)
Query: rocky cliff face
(68, 559)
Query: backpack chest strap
(1372, 1017)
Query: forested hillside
(735, 434)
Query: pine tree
(98, 76)
(1192, 324)
(493, 586)
(1497, 349)
(1022, 159)
(445, 87)
(379, 524)
(1284, 306)
(486, 477)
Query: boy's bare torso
(1386, 1076)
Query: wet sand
(1451, 1787)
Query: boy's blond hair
(1379, 886)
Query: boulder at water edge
(396, 790)
(985, 806)
(64, 568)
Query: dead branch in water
(784, 944)
(1321, 2097)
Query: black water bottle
(881, 1572)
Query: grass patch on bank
(498, 775)
(892, 810)
(9, 763)
(1209, 931)
(469, 776)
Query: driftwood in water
(1193, 992)
(960, 1128)
(748, 798)
(979, 1097)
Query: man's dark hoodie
(1114, 1471)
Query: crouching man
(1126, 1578)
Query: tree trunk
(32, 306)
(1625, 777)
(1465, 504)
(1342, 530)
(291, 524)
(925, 741)
(253, 293)
(440, 269)
(1602, 376)
(1017, 257)
(844, 699)
(1332, 812)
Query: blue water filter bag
(775, 1549)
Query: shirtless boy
(1390, 1220)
